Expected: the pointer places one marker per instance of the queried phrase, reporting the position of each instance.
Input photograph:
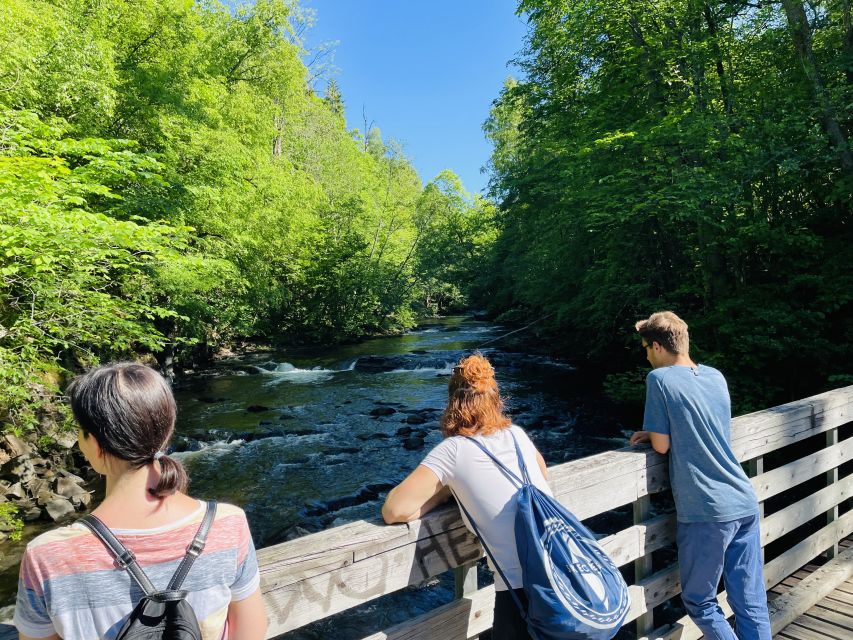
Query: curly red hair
(474, 403)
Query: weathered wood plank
(457, 620)
(836, 605)
(758, 433)
(837, 618)
(796, 632)
(774, 482)
(823, 629)
(791, 517)
(293, 604)
(798, 555)
(640, 539)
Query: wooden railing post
(465, 579)
(755, 467)
(465, 582)
(832, 478)
(643, 565)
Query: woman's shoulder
(61, 536)
(227, 510)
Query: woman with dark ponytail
(475, 410)
(70, 587)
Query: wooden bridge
(798, 456)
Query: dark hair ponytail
(173, 477)
(130, 411)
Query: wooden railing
(321, 574)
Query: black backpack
(160, 615)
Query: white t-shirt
(486, 491)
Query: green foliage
(168, 179)
(9, 524)
(680, 155)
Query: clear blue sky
(425, 71)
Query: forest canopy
(170, 181)
(690, 155)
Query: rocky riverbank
(41, 485)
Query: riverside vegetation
(170, 182)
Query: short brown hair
(474, 404)
(667, 329)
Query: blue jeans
(708, 550)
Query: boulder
(257, 408)
(82, 500)
(415, 419)
(15, 491)
(74, 478)
(67, 488)
(36, 485)
(31, 514)
(23, 471)
(413, 443)
(59, 508)
(373, 436)
(16, 446)
(378, 412)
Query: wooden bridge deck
(830, 619)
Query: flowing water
(304, 440)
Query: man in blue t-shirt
(688, 415)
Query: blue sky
(425, 71)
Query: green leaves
(671, 155)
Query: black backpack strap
(124, 557)
(194, 549)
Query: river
(309, 439)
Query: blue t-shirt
(691, 405)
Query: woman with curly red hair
(475, 409)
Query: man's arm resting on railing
(660, 441)
(420, 492)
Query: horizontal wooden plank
(845, 621)
(293, 604)
(640, 540)
(796, 632)
(790, 475)
(825, 630)
(806, 550)
(759, 433)
(792, 516)
(603, 482)
(457, 620)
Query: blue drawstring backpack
(574, 590)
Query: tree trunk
(848, 40)
(725, 89)
(801, 34)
